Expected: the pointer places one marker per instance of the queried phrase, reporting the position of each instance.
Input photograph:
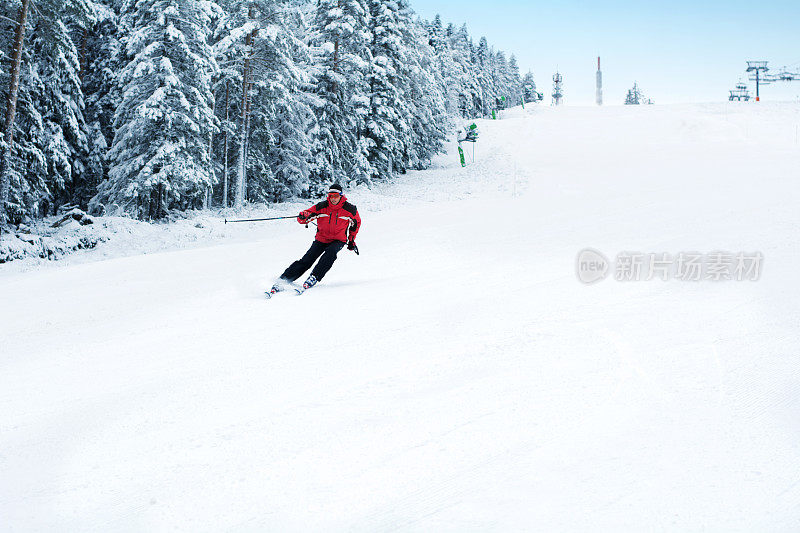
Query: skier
(338, 223)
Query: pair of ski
(291, 289)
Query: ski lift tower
(558, 89)
(758, 67)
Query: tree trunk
(225, 132)
(207, 199)
(336, 56)
(241, 184)
(156, 204)
(11, 109)
(162, 207)
(249, 119)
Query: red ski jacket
(339, 222)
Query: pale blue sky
(679, 51)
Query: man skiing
(338, 223)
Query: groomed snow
(454, 377)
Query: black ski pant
(328, 252)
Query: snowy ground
(454, 377)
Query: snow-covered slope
(454, 377)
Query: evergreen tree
(514, 82)
(99, 57)
(45, 161)
(279, 144)
(160, 156)
(483, 59)
(342, 58)
(470, 99)
(228, 47)
(386, 121)
(634, 96)
(446, 67)
(58, 96)
(234, 50)
(437, 38)
(11, 206)
(529, 88)
(501, 79)
(293, 121)
(425, 92)
(264, 62)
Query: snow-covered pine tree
(282, 115)
(483, 60)
(467, 81)
(508, 83)
(60, 100)
(342, 57)
(529, 92)
(437, 38)
(634, 96)
(514, 82)
(99, 51)
(265, 44)
(160, 157)
(17, 28)
(228, 38)
(386, 125)
(243, 34)
(424, 89)
(446, 68)
(44, 163)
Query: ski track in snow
(455, 376)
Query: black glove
(351, 245)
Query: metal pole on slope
(758, 98)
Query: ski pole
(259, 219)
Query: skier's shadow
(351, 283)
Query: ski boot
(310, 282)
(276, 288)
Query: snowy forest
(145, 107)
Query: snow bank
(60, 236)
